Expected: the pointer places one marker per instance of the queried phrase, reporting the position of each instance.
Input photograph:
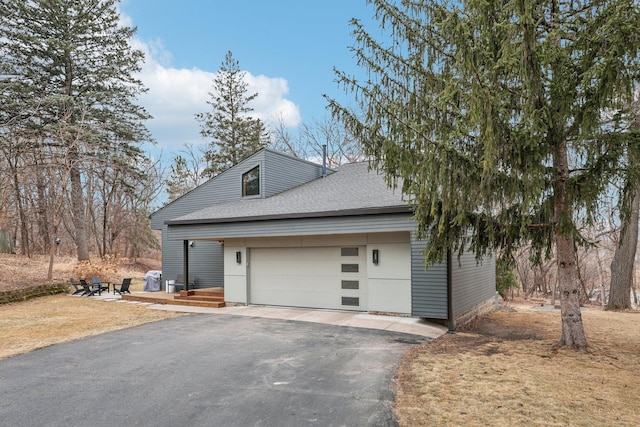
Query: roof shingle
(351, 190)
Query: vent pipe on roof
(324, 160)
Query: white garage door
(317, 277)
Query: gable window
(251, 182)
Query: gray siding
(206, 262)
(473, 282)
(206, 258)
(278, 172)
(428, 285)
(282, 172)
(225, 187)
(294, 227)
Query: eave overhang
(300, 215)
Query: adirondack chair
(89, 289)
(96, 281)
(78, 289)
(122, 288)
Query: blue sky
(288, 49)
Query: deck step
(211, 292)
(171, 301)
(210, 297)
(197, 303)
(199, 298)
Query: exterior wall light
(238, 257)
(376, 256)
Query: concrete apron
(405, 325)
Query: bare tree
(139, 204)
(624, 258)
(342, 147)
(625, 253)
(187, 171)
(308, 144)
(283, 141)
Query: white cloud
(176, 95)
(270, 103)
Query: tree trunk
(105, 212)
(624, 258)
(569, 286)
(22, 217)
(634, 288)
(42, 202)
(52, 253)
(584, 295)
(601, 277)
(55, 219)
(77, 202)
(572, 328)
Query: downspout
(450, 317)
(185, 266)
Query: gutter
(297, 215)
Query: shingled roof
(352, 190)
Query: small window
(350, 268)
(349, 251)
(351, 301)
(350, 284)
(251, 182)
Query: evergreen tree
(492, 113)
(233, 133)
(74, 88)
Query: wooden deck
(209, 297)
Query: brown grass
(505, 370)
(41, 322)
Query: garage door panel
(310, 294)
(294, 261)
(305, 277)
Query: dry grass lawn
(504, 370)
(40, 322)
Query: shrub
(505, 278)
(103, 268)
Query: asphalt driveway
(205, 370)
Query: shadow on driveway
(204, 370)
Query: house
(278, 230)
